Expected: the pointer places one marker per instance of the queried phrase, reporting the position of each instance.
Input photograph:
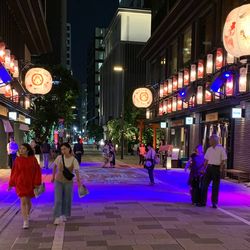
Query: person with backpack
(78, 150)
(150, 162)
(45, 148)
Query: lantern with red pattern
(219, 59)
(175, 83)
(200, 69)
(186, 77)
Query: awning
(7, 126)
(24, 127)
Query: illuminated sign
(142, 98)
(28, 121)
(38, 81)
(189, 120)
(236, 113)
(13, 116)
(163, 125)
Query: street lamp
(120, 69)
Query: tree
(48, 109)
(95, 131)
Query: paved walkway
(122, 212)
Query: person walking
(112, 154)
(12, 148)
(215, 159)
(46, 150)
(37, 149)
(142, 152)
(150, 162)
(163, 151)
(78, 150)
(105, 154)
(62, 177)
(25, 176)
(196, 164)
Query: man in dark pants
(78, 150)
(215, 159)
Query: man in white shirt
(215, 159)
(12, 148)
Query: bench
(240, 174)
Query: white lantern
(147, 114)
(219, 59)
(230, 58)
(243, 80)
(174, 105)
(193, 73)
(142, 98)
(38, 81)
(186, 77)
(199, 98)
(236, 33)
(200, 73)
(209, 66)
(161, 90)
(180, 80)
(170, 86)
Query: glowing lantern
(7, 59)
(217, 95)
(208, 94)
(175, 83)
(209, 66)
(186, 77)
(170, 86)
(236, 33)
(199, 95)
(165, 89)
(179, 103)
(160, 109)
(161, 90)
(15, 96)
(230, 58)
(12, 64)
(16, 69)
(219, 59)
(200, 69)
(165, 107)
(8, 91)
(192, 101)
(169, 106)
(147, 114)
(38, 81)
(2, 51)
(180, 80)
(185, 105)
(193, 73)
(174, 105)
(229, 86)
(243, 80)
(27, 103)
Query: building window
(173, 58)
(206, 32)
(187, 46)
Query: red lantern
(199, 95)
(180, 80)
(208, 94)
(175, 83)
(161, 109)
(186, 77)
(174, 104)
(165, 107)
(230, 86)
(200, 69)
(170, 86)
(165, 88)
(193, 73)
(161, 90)
(8, 91)
(2, 52)
(179, 104)
(169, 106)
(219, 59)
(209, 66)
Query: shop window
(187, 46)
(173, 58)
(206, 33)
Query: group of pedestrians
(108, 153)
(26, 176)
(205, 169)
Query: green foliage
(95, 131)
(48, 109)
(147, 135)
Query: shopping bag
(39, 190)
(82, 191)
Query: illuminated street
(123, 212)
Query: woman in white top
(63, 184)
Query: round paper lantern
(38, 81)
(142, 97)
(236, 33)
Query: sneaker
(57, 221)
(63, 218)
(26, 224)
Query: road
(122, 212)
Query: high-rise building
(95, 62)
(126, 36)
(134, 3)
(68, 47)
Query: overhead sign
(142, 97)
(189, 120)
(28, 121)
(38, 81)
(21, 118)
(13, 116)
(3, 111)
(236, 113)
(212, 117)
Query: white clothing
(68, 162)
(215, 155)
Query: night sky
(84, 16)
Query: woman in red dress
(25, 176)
